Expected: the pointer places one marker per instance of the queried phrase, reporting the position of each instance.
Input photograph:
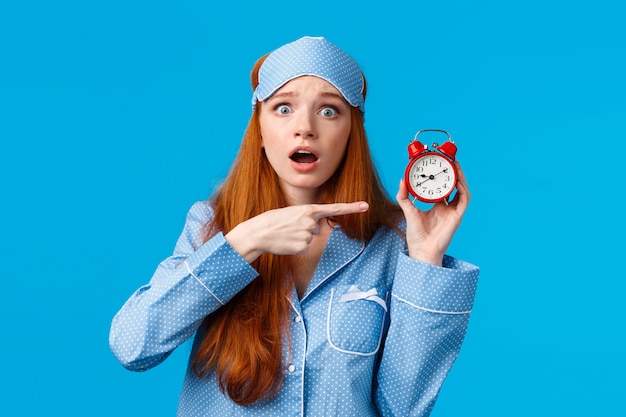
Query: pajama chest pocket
(355, 319)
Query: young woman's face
(305, 127)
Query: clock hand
(430, 177)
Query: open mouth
(302, 156)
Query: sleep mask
(311, 56)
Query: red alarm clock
(431, 174)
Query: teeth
(304, 152)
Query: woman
(319, 296)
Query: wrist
(243, 243)
(428, 258)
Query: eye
(329, 112)
(282, 109)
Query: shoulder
(192, 237)
(395, 234)
(200, 211)
(389, 240)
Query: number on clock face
(432, 177)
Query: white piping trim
(429, 310)
(352, 352)
(202, 283)
(303, 358)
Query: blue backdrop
(115, 116)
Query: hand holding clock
(429, 233)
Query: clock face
(431, 177)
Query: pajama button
(291, 368)
(298, 319)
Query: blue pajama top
(375, 333)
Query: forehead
(308, 84)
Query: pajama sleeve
(429, 314)
(185, 288)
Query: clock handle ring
(432, 130)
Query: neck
(301, 196)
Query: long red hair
(243, 340)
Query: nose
(305, 126)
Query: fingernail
(364, 206)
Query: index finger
(338, 209)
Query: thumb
(402, 197)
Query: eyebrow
(332, 94)
(280, 95)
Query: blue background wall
(116, 116)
